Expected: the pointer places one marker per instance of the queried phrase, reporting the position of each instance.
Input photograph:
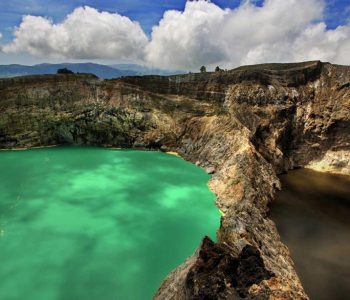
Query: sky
(174, 34)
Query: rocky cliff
(244, 126)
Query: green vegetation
(64, 71)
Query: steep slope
(245, 126)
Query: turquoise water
(94, 223)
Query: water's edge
(171, 153)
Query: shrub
(64, 71)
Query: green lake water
(94, 223)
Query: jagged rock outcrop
(245, 126)
(218, 274)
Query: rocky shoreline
(244, 126)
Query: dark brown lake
(312, 214)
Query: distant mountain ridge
(102, 71)
(143, 70)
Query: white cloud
(85, 34)
(279, 31)
(327, 45)
(188, 39)
(202, 34)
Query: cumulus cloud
(84, 34)
(327, 45)
(201, 34)
(278, 31)
(189, 38)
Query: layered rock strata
(244, 126)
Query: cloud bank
(84, 34)
(201, 34)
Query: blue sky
(147, 12)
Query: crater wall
(244, 126)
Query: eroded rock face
(244, 126)
(218, 274)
